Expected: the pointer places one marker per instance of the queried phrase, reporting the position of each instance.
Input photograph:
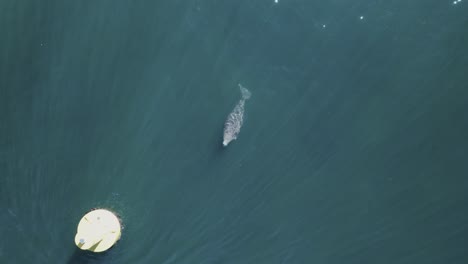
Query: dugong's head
(227, 138)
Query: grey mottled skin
(235, 119)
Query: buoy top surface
(98, 230)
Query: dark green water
(354, 147)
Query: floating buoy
(98, 231)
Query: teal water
(353, 149)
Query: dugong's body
(234, 121)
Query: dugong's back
(235, 119)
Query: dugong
(234, 121)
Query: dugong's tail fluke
(245, 93)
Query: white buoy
(98, 231)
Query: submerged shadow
(87, 257)
(219, 148)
